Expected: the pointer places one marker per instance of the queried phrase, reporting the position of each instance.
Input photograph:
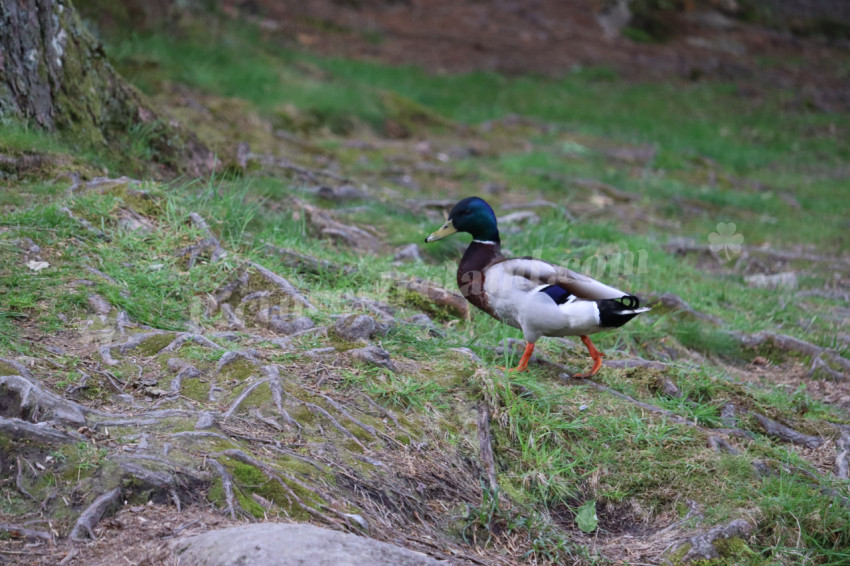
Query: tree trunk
(54, 74)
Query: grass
(557, 446)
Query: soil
(553, 37)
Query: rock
(277, 544)
(373, 355)
(356, 327)
(281, 325)
(37, 265)
(786, 280)
(409, 252)
(421, 319)
(205, 420)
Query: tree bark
(55, 75)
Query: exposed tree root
(368, 428)
(242, 396)
(787, 434)
(18, 367)
(236, 355)
(629, 363)
(233, 320)
(668, 388)
(84, 223)
(682, 247)
(232, 506)
(306, 264)
(133, 342)
(789, 343)
(728, 416)
(22, 397)
(19, 480)
(14, 531)
(255, 413)
(842, 455)
(441, 298)
(702, 546)
(380, 409)
(353, 236)
(720, 444)
(184, 337)
(184, 370)
(485, 445)
(383, 310)
(330, 418)
(678, 304)
(93, 513)
(282, 285)
(208, 244)
(279, 478)
(278, 392)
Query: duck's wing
(541, 272)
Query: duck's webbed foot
(526, 355)
(597, 359)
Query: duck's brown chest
(472, 270)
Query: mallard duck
(533, 295)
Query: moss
(249, 479)
(143, 202)
(411, 299)
(154, 344)
(194, 388)
(732, 547)
(240, 369)
(6, 369)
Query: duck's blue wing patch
(558, 294)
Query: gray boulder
(279, 544)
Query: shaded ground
(554, 37)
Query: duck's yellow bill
(447, 230)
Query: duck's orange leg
(595, 354)
(526, 355)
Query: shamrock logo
(726, 240)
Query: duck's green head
(471, 215)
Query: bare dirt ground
(553, 37)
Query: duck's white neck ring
(488, 242)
